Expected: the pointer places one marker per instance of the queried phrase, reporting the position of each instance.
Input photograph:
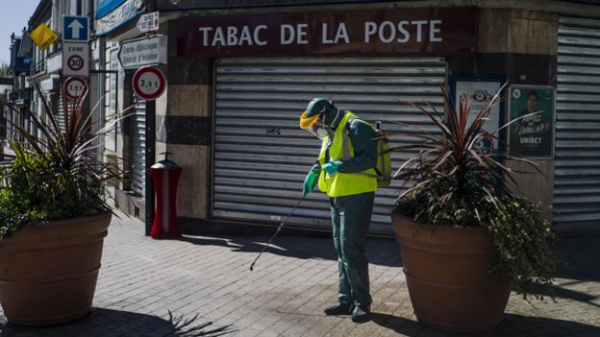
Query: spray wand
(277, 232)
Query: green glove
(309, 183)
(332, 167)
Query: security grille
(58, 109)
(577, 163)
(138, 146)
(261, 156)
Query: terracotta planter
(48, 271)
(447, 275)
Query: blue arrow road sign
(76, 28)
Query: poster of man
(531, 133)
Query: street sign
(75, 88)
(76, 59)
(143, 52)
(148, 22)
(43, 36)
(149, 83)
(76, 28)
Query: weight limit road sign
(149, 83)
(75, 88)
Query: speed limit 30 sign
(76, 59)
(149, 83)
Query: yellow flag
(43, 36)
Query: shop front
(240, 74)
(268, 67)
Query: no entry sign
(75, 88)
(149, 83)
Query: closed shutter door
(577, 162)
(138, 146)
(60, 114)
(261, 154)
(55, 104)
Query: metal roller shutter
(577, 162)
(138, 146)
(55, 104)
(60, 114)
(261, 154)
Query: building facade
(240, 73)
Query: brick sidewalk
(205, 281)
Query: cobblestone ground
(202, 286)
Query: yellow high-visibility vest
(343, 184)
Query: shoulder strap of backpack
(350, 120)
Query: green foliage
(521, 234)
(4, 67)
(52, 177)
(453, 184)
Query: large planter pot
(48, 271)
(448, 278)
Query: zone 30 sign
(399, 31)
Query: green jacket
(365, 149)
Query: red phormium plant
(454, 184)
(448, 167)
(53, 175)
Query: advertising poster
(531, 136)
(481, 94)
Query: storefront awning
(107, 6)
(112, 14)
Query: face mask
(320, 129)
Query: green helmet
(319, 106)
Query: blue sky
(14, 15)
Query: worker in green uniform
(345, 172)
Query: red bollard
(165, 176)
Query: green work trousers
(351, 216)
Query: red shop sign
(411, 31)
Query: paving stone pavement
(202, 286)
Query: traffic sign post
(75, 88)
(149, 83)
(43, 36)
(148, 22)
(76, 29)
(76, 59)
(146, 51)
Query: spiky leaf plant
(449, 182)
(52, 176)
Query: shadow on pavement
(580, 258)
(578, 254)
(579, 265)
(379, 251)
(512, 325)
(105, 322)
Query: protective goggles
(312, 125)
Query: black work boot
(361, 313)
(339, 309)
